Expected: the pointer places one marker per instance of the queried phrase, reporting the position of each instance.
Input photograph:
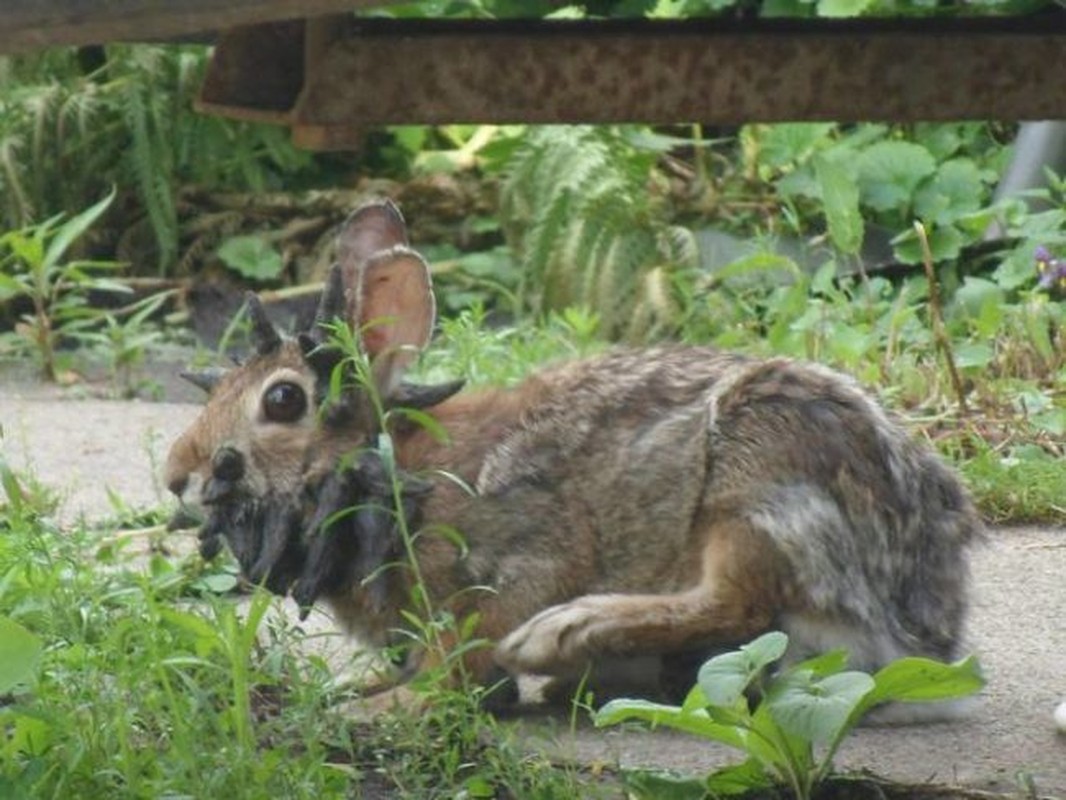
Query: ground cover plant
(790, 723)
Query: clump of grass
(135, 696)
(1025, 484)
(147, 684)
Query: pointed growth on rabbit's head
(272, 434)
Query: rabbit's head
(279, 427)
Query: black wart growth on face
(356, 530)
(264, 534)
(340, 535)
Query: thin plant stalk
(937, 316)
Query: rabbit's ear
(371, 228)
(395, 311)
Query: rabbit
(637, 504)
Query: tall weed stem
(936, 314)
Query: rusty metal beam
(256, 72)
(31, 24)
(712, 71)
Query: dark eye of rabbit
(284, 402)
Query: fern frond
(575, 208)
(148, 163)
(19, 208)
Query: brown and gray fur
(648, 502)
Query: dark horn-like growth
(332, 305)
(313, 341)
(206, 379)
(265, 336)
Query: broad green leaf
(73, 228)
(777, 749)
(945, 242)
(976, 293)
(800, 182)
(818, 709)
(19, 653)
(989, 320)
(827, 663)
(410, 137)
(954, 191)
(849, 344)
(976, 223)
(840, 203)
(789, 143)
(738, 779)
(661, 785)
(31, 733)
(216, 583)
(824, 281)
(695, 722)
(916, 679)
(941, 139)
(724, 678)
(973, 355)
(252, 257)
(890, 171)
(1042, 226)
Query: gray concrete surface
(88, 448)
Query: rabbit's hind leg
(742, 590)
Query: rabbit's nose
(227, 469)
(227, 464)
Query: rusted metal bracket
(361, 74)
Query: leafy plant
(74, 122)
(577, 210)
(124, 337)
(34, 267)
(19, 654)
(790, 723)
(252, 257)
(873, 175)
(502, 355)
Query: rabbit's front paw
(556, 641)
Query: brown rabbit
(648, 502)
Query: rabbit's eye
(284, 402)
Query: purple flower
(1052, 271)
